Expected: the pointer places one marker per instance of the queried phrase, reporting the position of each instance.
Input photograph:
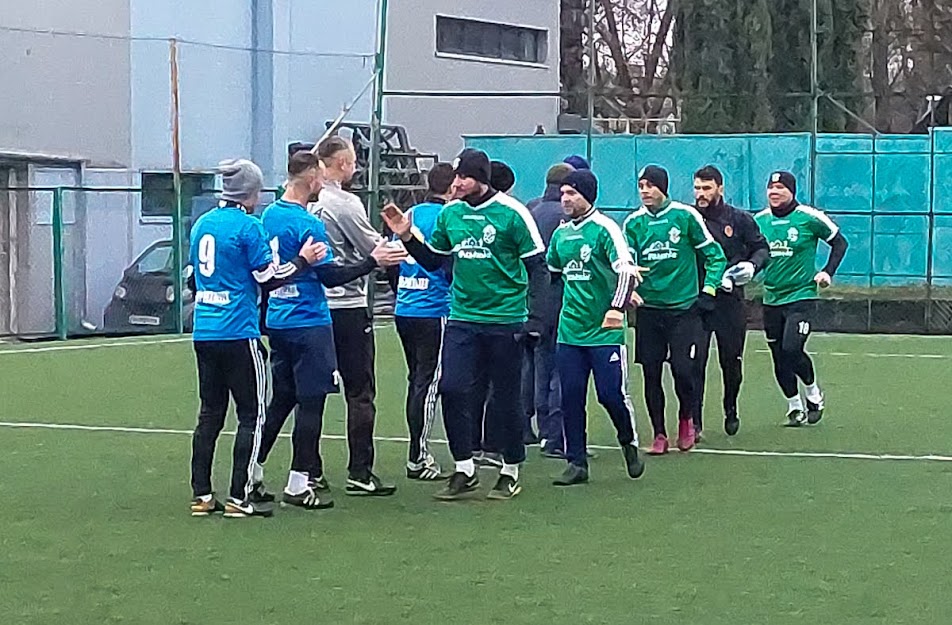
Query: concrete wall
(106, 103)
(437, 123)
(214, 83)
(67, 97)
(331, 61)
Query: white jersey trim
(523, 212)
(618, 240)
(822, 218)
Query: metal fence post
(177, 234)
(59, 269)
(930, 248)
(376, 117)
(590, 82)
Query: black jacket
(738, 235)
(548, 215)
(547, 212)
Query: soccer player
(791, 286)
(498, 260)
(670, 240)
(304, 363)
(352, 239)
(230, 258)
(485, 448)
(591, 256)
(746, 252)
(423, 304)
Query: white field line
(14, 349)
(398, 439)
(112, 343)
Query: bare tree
(632, 44)
(911, 58)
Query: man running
(746, 252)
(791, 288)
(670, 240)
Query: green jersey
(589, 254)
(788, 276)
(488, 243)
(669, 244)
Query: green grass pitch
(95, 527)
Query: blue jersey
(301, 303)
(226, 246)
(421, 293)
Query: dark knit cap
(785, 178)
(501, 176)
(576, 161)
(473, 164)
(657, 176)
(585, 182)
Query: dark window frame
(491, 41)
(158, 193)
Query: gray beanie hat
(241, 180)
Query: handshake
(385, 254)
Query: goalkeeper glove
(741, 273)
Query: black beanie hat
(585, 182)
(657, 176)
(786, 179)
(473, 164)
(501, 176)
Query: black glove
(705, 302)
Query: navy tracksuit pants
(473, 352)
(609, 366)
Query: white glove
(727, 285)
(741, 273)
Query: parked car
(143, 300)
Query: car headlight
(120, 292)
(170, 294)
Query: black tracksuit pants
(422, 339)
(236, 369)
(728, 324)
(663, 335)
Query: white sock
(794, 403)
(466, 466)
(206, 498)
(813, 393)
(257, 473)
(512, 470)
(297, 483)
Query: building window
(491, 40)
(158, 193)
